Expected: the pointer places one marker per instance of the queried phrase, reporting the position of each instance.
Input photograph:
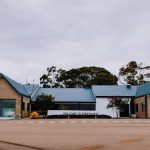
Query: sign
(68, 112)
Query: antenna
(26, 79)
(33, 81)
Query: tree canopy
(77, 77)
(50, 79)
(44, 102)
(87, 76)
(134, 73)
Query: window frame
(136, 107)
(143, 106)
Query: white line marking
(30, 122)
(115, 121)
(104, 121)
(62, 122)
(73, 122)
(20, 122)
(10, 122)
(41, 122)
(83, 121)
(146, 121)
(94, 121)
(51, 122)
(125, 121)
(136, 121)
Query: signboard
(68, 112)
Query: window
(28, 107)
(7, 107)
(87, 106)
(143, 107)
(73, 106)
(136, 107)
(23, 106)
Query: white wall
(101, 107)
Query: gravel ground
(75, 134)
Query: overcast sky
(36, 34)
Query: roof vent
(128, 86)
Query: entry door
(124, 112)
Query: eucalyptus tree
(134, 73)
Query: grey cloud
(35, 34)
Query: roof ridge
(17, 86)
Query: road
(75, 134)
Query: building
(105, 92)
(142, 101)
(15, 99)
(88, 101)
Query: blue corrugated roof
(143, 89)
(80, 94)
(114, 90)
(17, 86)
(30, 88)
(25, 90)
(68, 94)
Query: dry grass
(92, 147)
(131, 140)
